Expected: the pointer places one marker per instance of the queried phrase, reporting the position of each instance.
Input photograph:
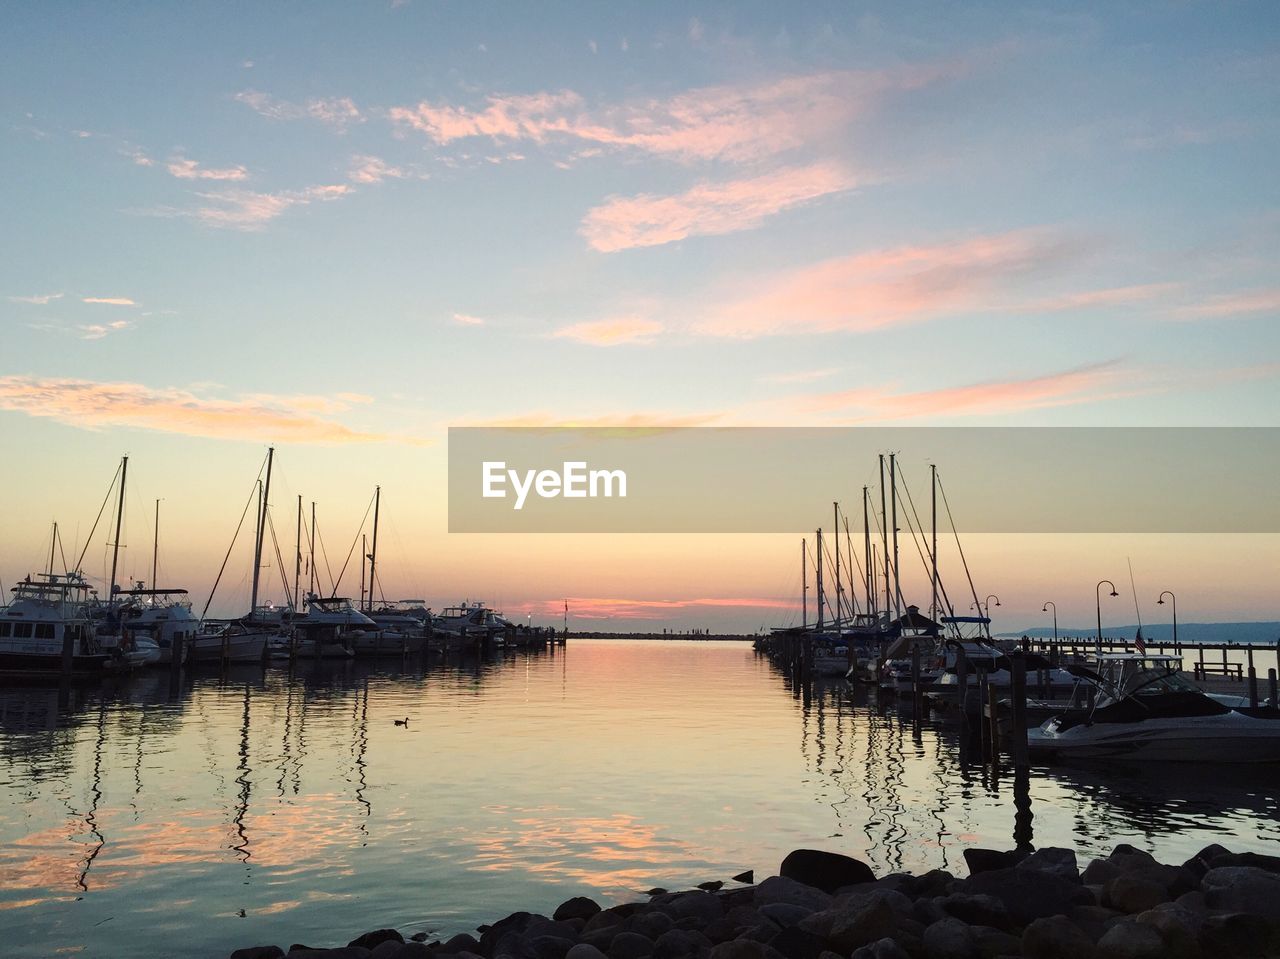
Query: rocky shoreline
(1038, 905)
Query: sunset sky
(343, 228)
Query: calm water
(145, 815)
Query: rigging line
(63, 554)
(855, 564)
(965, 563)
(333, 587)
(252, 493)
(275, 543)
(106, 499)
(347, 562)
(942, 589)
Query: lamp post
(1098, 596)
(989, 599)
(1047, 604)
(1174, 600)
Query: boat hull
(1229, 738)
(244, 648)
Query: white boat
(984, 659)
(163, 615)
(229, 642)
(1147, 710)
(46, 611)
(325, 630)
(471, 619)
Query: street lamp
(1098, 596)
(1173, 599)
(1047, 604)
(989, 599)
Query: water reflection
(169, 804)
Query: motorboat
(47, 611)
(987, 662)
(325, 630)
(230, 641)
(1146, 709)
(163, 615)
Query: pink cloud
(1111, 296)
(185, 169)
(465, 319)
(612, 332)
(882, 288)
(606, 608)
(337, 112)
(91, 405)
(109, 300)
(708, 209)
(247, 210)
(1085, 384)
(371, 169)
(96, 331)
(38, 299)
(721, 122)
(1234, 304)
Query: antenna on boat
(115, 547)
(155, 547)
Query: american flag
(1138, 643)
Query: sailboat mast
(866, 553)
(893, 500)
(884, 535)
(819, 571)
(262, 532)
(835, 508)
(804, 585)
(373, 555)
(311, 539)
(933, 509)
(115, 549)
(53, 544)
(364, 553)
(155, 548)
(297, 555)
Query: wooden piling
(1253, 679)
(962, 675)
(1271, 688)
(1018, 694)
(993, 707)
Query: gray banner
(781, 480)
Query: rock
(781, 889)
(1133, 894)
(764, 931)
(996, 942)
(1242, 889)
(1055, 861)
(674, 944)
(985, 860)
(1130, 939)
(462, 942)
(1128, 858)
(412, 950)
(542, 926)
(1028, 894)
(651, 924)
(584, 951)
(1202, 861)
(656, 891)
(713, 885)
(579, 907)
(785, 914)
(827, 871)
(1099, 872)
(884, 948)
(854, 927)
(630, 945)
(371, 940)
(512, 945)
(1240, 936)
(1257, 860)
(1177, 934)
(550, 947)
(797, 944)
(744, 949)
(604, 919)
(387, 949)
(720, 930)
(517, 922)
(420, 937)
(1056, 937)
(346, 952)
(702, 907)
(258, 952)
(976, 910)
(951, 939)
(748, 877)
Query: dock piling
(1018, 693)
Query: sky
(340, 229)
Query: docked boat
(162, 615)
(46, 612)
(985, 661)
(1147, 710)
(325, 630)
(230, 641)
(399, 628)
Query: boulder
(387, 949)
(542, 926)
(977, 910)
(1240, 936)
(603, 920)
(258, 952)
(1130, 939)
(1202, 861)
(996, 942)
(579, 907)
(346, 952)
(951, 939)
(1257, 860)
(550, 947)
(1055, 861)
(517, 922)
(462, 942)
(371, 940)
(675, 944)
(744, 949)
(827, 871)
(1177, 933)
(785, 914)
(1056, 937)
(1132, 894)
(884, 948)
(748, 877)
(984, 860)
(797, 944)
(854, 926)
(630, 945)
(584, 951)
(1029, 895)
(651, 924)
(1242, 889)
(782, 889)
(701, 907)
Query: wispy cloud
(1093, 299)
(187, 169)
(96, 331)
(38, 299)
(86, 404)
(248, 210)
(720, 122)
(466, 319)
(882, 288)
(337, 112)
(137, 155)
(1234, 304)
(708, 209)
(1086, 384)
(617, 331)
(372, 169)
(109, 300)
(614, 608)
(800, 376)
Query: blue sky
(344, 227)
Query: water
(145, 816)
